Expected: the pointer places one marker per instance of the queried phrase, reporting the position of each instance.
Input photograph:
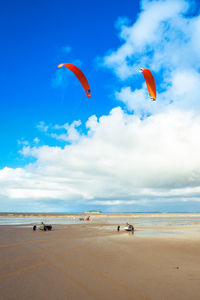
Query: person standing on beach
(118, 228)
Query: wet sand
(93, 261)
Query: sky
(117, 151)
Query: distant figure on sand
(118, 228)
(34, 228)
(129, 227)
(42, 226)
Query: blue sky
(35, 35)
(116, 151)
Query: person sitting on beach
(131, 227)
(42, 226)
(34, 228)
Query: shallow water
(158, 222)
(37, 220)
(148, 225)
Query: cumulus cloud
(71, 133)
(124, 160)
(160, 29)
(165, 39)
(67, 132)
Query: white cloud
(36, 140)
(164, 38)
(158, 31)
(137, 100)
(124, 158)
(22, 142)
(42, 127)
(72, 135)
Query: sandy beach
(94, 261)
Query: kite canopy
(150, 82)
(81, 77)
